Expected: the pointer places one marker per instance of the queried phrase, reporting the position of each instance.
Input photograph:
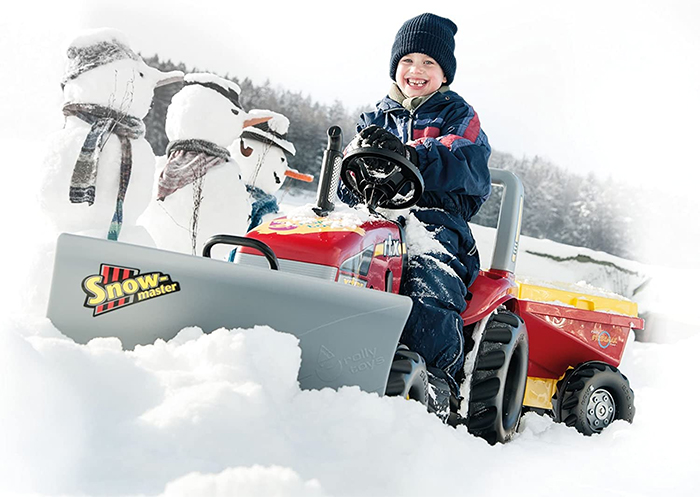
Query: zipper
(395, 109)
(412, 113)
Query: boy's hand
(376, 136)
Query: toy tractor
(332, 279)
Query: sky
(606, 87)
(609, 87)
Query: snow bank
(221, 414)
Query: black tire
(499, 378)
(592, 396)
(408, 376)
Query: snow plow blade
(102, 288)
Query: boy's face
(418, 74)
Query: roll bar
(510, 220)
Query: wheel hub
(600, 410)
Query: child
(422, 119)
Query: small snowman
(261, 153)
(99, 168)
(199, 192)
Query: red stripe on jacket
(471, 133)
(429, 132)
(446, 140)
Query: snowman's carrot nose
(291, 173)
(255, 120)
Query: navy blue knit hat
(428, 34)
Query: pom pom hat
(428, 34)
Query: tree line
(560, 205)
(570, 208)
(309, 120)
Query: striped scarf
(263, 204)
(188, 163)
(103, 122)
(188, 160)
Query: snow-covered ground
(222, 414)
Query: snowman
(198, 191)
(261, 154)
(99, 168)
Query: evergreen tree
(559, 205)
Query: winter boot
(441, 399)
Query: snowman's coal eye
(282, 159)
(141, 74)
(235, 112)
(277, 178)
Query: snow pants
(437, 283)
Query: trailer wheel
(592, 396)
(408, 376)
(499, 378)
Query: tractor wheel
(408, 376)
(499, 378)
(592, 396)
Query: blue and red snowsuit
(453, 153)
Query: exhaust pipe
(330, 172)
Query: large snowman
(262, 154)
(99, 169)
(199, 191)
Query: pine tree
(559, 205)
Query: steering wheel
(382, 178)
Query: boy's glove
(376, 136)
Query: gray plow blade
(101, 288)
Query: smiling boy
(441, 133)
(418, 74)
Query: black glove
(376, 136)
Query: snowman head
(262, 151)
(263, 165)
(102, 69)
(207, 108)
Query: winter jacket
(453, 150)
(453, 154)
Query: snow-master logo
(117, 287)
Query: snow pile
(545, 260)
(342, 217)
(221, 414)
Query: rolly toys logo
(118, 287)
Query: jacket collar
(397, 100)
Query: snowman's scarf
(188, 160)
(263, 204)
(188, 163)
(103, 121)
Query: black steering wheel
(381, 178)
